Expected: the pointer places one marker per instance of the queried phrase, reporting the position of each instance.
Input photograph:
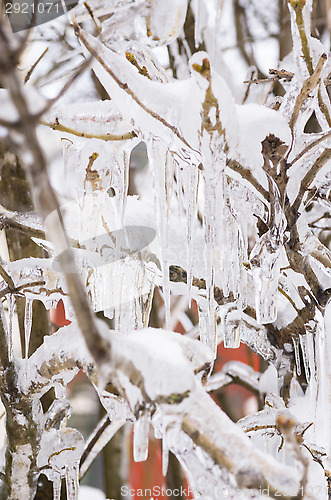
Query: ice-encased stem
(72, 480)
(27, 324)
(140, 437)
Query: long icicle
(27, 324)
(72, 480)
(11, 306)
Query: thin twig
(103, 137)
(20, 288)
(33, 67)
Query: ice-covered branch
(103, 137)
(248, 176)
(101, 435)
(134, 357)
(30, 224)
(231, 449)
(235, 372)
(307, 87)
(319, 138)
(310, 177)
(300, 8)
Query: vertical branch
(298, 6)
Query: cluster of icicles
(180, 190)
(225, 235)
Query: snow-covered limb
(229, 448)
(134, 358)
(107, 123)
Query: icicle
(234, 253)
(243, 259)
(266, 268)
(66, 146)
(120, 175)
(218, 10)
(161, 161)
(224, 240)
(203, 325)
(140, 437)
(265, 262)
(11, 305)
(56, 479)
(165, 456)
(310, 345)
(323, 385)
(230, 325)
(143, 303)
(304, 350)
(197, 27)
(72, 480)
(27, 324)
(192, 193)
(210, 222)
(296, 346)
